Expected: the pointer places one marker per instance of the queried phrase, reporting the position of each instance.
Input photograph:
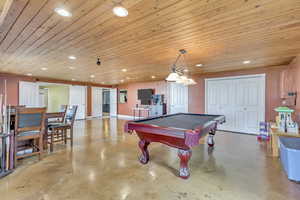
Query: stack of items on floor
(289, 144)
(6, 154)
(6, 139)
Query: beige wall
(57, 95)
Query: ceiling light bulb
(182, 79)
(199, 65)
(120, 11)
(29, 74)
(73, 79)
(72, 57)
(71, 68)
(246, 62)
(186, 70)
(122, 81)
(191, 82)
(92, 76)
(173, 77)
(153, 77)
(63, 12)
(44, 68)
(124, 70)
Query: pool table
(181, 130)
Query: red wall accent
(132, 88)
(13, 87)
(273, 100)
(291, 83)
(197, 92)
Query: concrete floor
(103, 165)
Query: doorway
(78, 97)
(178, 98)
(53, 95)
(106, 102)
(97, 99)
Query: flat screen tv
(145, 95)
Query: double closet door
(240, 99)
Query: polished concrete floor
(103, 165)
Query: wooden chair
(58, 132)
(29, 130)
(60, 116)
(12, 111)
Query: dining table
(49, 117)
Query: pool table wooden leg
(144, 157)
(184, 156)
(210, 138)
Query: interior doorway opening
(52, 96)
(106, 102)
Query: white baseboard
(129, 117)
(125, 116)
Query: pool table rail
(182, 139)
(191, 137)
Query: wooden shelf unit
(275, 134)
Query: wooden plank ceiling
(2, 2)
(220, 34)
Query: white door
(240, 99)
(220, 101)
(178, 98)
(96, 101)
(78, 97)
(250, 104)
(113, 102)
(28, 94)
(43, 97)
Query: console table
(139, 110)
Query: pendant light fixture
(173, 76)
(119, 10)
(178, 73)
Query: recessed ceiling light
(71, 68)
(72, 57)
(120, 11)
(246, 62)
(124, 70)
(102, 82)
(29, 74)
(122, 81)
(199, 65)
(153, 77)
(92, 76)
(63, 12)
(73, 79)
(185, 70)
(44, 68)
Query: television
(145, 95)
